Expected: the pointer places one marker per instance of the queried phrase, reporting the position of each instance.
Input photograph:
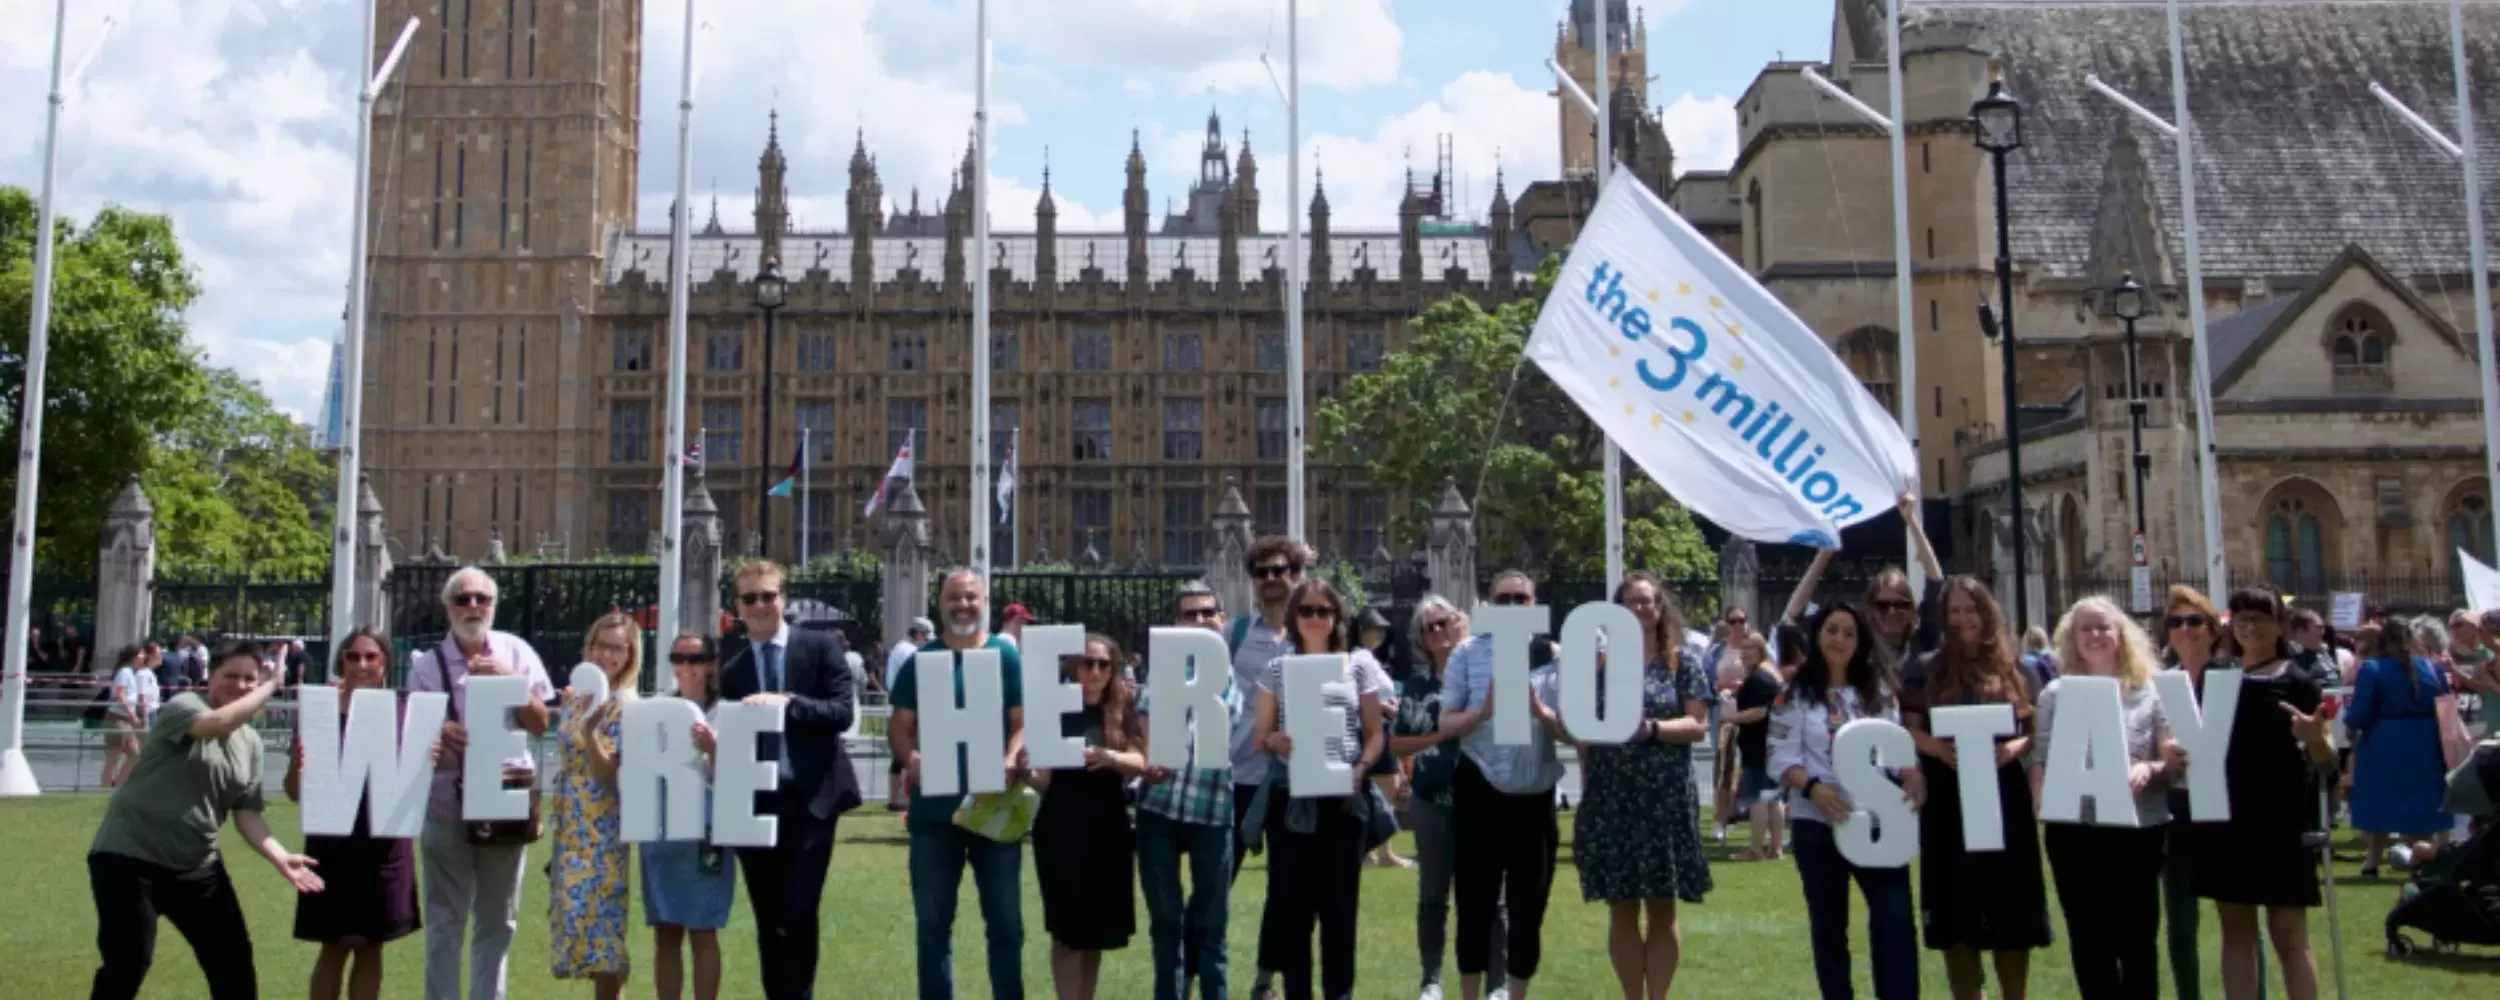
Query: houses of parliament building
(514, 379)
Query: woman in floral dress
(1636, 834)
(586, 900)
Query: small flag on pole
(901, 469)
(1007, 479)
(790, 479)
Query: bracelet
(1810, 784)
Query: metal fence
(2397, 593)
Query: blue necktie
(775, 681)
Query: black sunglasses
(1274, 571)
(759, 597)
(472, 600)
(1895, 604)
(2187, 621)
(688, 659)
(1437, 627)
(1094, 663)
(1316, 611)
(1510, 600)
(1199, 614)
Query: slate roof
(2228, 338)
(2295, 159)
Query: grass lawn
(1748, 940)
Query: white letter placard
(1972, 730)
(661, 769)
(2087, 755)
(1312, 683)
(978, 728)
(737, 775)
(2206, 737)
(1882, 830)
(589, 684)
(493, 740)
(1578, 674)
(1510, 628)
(382, 758)
(1187, 671)
(1048, 700)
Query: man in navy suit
(805, 672)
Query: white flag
(1722, 395)
(1007, 478)
(2482, 583)
(901, 469)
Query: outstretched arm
(1804, 594)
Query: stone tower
(1576, 48)
(504, 159)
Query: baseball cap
(1014, 612)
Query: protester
(2259, 859)
(124, 718)
(803, 671)
(2193, 638)
(1976, 901)
(1186, 815)
(1750, 710)
(1843, 679)
(1726, 769)
(1082, 844)
(1317, 843)
(587, 878)
(370, 894)
(1256, 640)
(940, 850)
(1637, 848)
(1506, 836)
(2399, 769)
(156, 851)
(689, 885)
(190, 660)
(471, 872)
(2108, 874)
(1438, 629)
(1907, 623)
(1011, 624)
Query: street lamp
(771, 292)
(1997, 120)
(2127, 300)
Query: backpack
(1235, 635)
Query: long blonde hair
(2137, 656)
(619, 621)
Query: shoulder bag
(490, 833)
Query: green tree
(1436, 412)
(236, 486)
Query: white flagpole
(1296, 260)
(806, 469)
(979, 524)
(1015, 502)
(352, 364)
(17, 778)
(1605, 172)
(2481, 280)
(1905, 315)
(680, 267)
(2217, 574)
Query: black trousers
(785, 884)
(2109, 885)
(1312, 879)
(130, 894)
(1502, 852)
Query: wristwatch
(1808, 790)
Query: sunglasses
(688, 659)
(1102, 663)
(755, 597)
(361, 657)
(2188, 621)
(1274, 571)
(1510, 600)
(472, 600)
(1199, 614)
(1437, 627)
(1895, 605)
(1313, 611)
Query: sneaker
(2401, 855)
(1499, 993)
(1432, 991)
(1262, 993)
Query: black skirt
(1983, 900)
(369, 889)
(1084, 857)
(2260, 856)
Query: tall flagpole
(1605, 173)
(352, 364)
(16, 777)
(978, 527)
(806, 470)
(680, 267)
(2217, 574)
(1015, 504)
(1905, 315)
(1296, 260)
(2481, 280)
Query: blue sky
(236, 116)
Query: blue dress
(689, 883)
(2398, 772)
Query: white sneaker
(1499, 993)
(1432, 991)
(2402, 856)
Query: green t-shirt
(169, 811)
(940, 809)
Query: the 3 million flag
(1722, 395)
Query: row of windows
(907, 350)
(1089, 427)
(514, 346)
(520, 38)
(454, 153)
(1185, 536)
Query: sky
(237, 117)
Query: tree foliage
(235, 485)
(1436, 412)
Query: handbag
(2455, 743)
(1004, 816)
(493, 832)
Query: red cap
(1014, 612)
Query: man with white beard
(466, 881)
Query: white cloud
(1703, 132)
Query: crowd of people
(1486, 815)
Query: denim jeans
(938, 856)
(1892, 926)
(1188, 936)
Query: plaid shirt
(1202, 796)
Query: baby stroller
(2456, 898)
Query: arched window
(2346, 352)
(2295, 544)
(2357, 342)
(1873, 354)
(2373, 351)
(2469, 522)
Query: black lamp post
(2127, 300)
(770, 293)
(1998, 121)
